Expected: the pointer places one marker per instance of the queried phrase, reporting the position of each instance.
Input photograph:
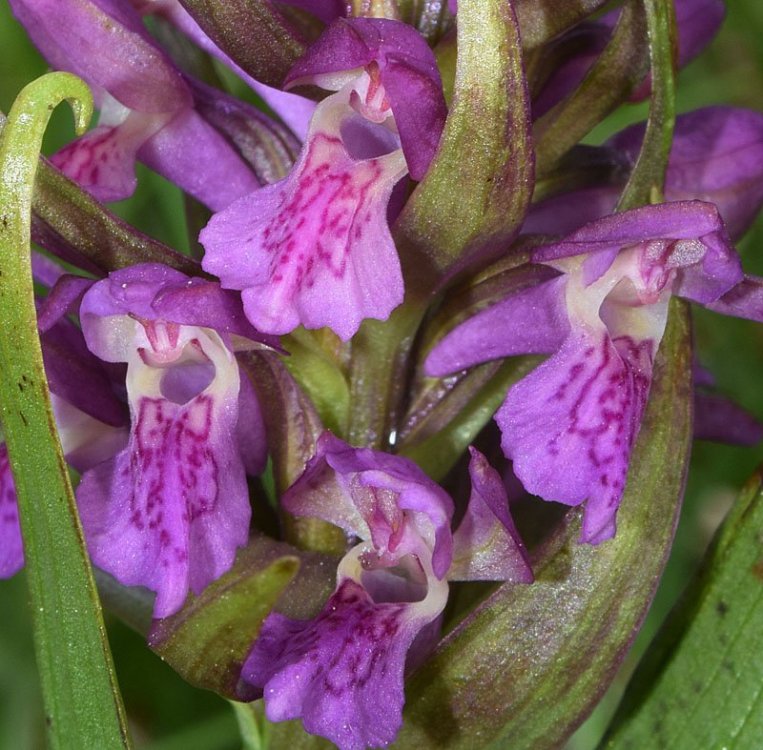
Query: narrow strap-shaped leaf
(252, 33)
(618, 70)
(701, 683)
(645, 182)
(478, 188)
(529, 663)
(82, 702)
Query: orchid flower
(570, 425)
(146, 107)
(169, 511)
(716, 156)
(342, 672)
(321, 234)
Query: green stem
(82, 702)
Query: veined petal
(571, 424)
(341, 672)
(320, 234)
(170, 510)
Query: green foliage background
(165, 713)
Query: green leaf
(82, 702)
(700, 684)
(531, 661)
(479, 185)
(646, 180)
(616, 72)
(65, 215)
(208, 640)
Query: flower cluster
(161, 404)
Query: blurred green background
(167, 714)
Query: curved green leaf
(701, 683)
(82, 702)
(529, 663)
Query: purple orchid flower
(716, 156)
(342, 672)
(146, 106)
(169, 511)
(322, 233)
(570, 425)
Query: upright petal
(486, 545)
(407, 72)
